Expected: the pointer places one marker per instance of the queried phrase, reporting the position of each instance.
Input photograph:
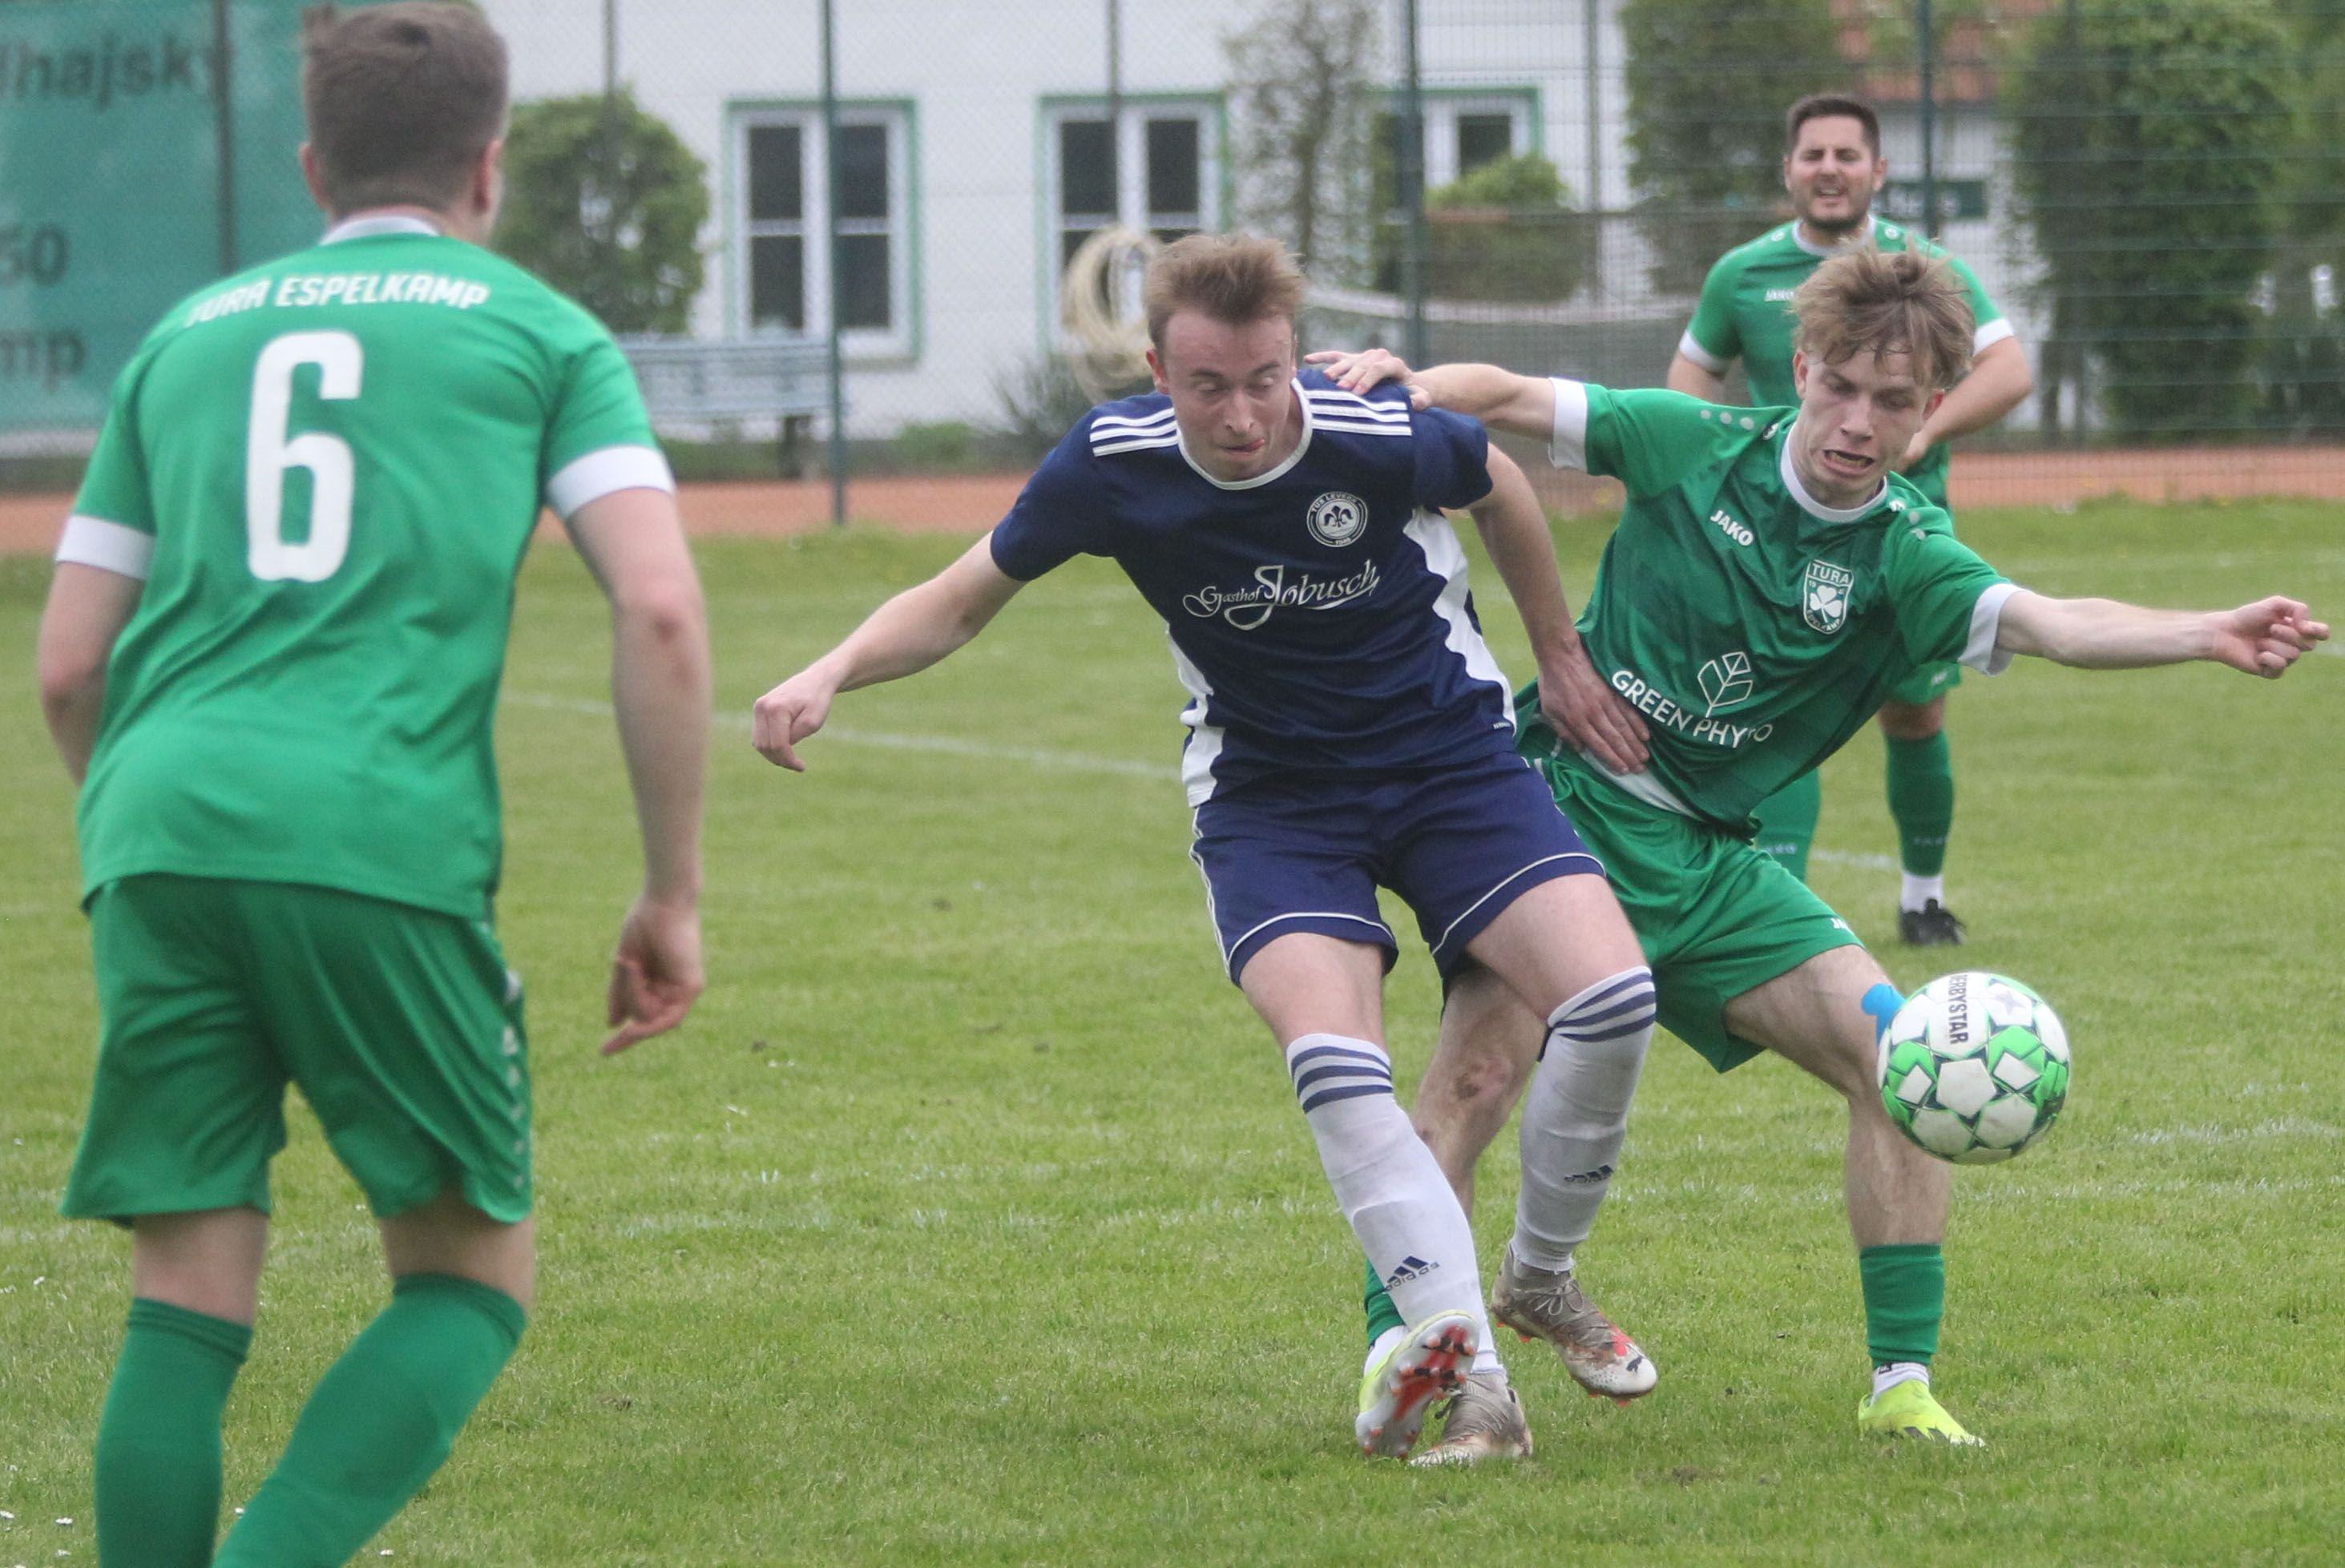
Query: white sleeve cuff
(108, 546)
(601, 473)
(1701, 356)
(1567, 447)
(1986, 618)
(1991, 333)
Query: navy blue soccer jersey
(1319, 613)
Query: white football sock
(1386, 1181)
(1576, 1114)
(1885, 1378)
(1919, 892)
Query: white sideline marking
(1063, 762)
(2334, 649)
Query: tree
(1302, 93)
(604, 202)
(1709, 81)
(2150, 137)
(1503, 231)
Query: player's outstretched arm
(1490, 393)
(1584, 710)
(2260, 639)
(633, 544)
(907, 633)
(87, 609)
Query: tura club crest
(1824, 604)
(1336, 519)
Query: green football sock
(1787, 822)
(378, 1424)
(1904, 1298)
(158, 1442)
(1382, 1313)
(1921, 799)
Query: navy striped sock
(1575, 1115)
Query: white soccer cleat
(1400, 1387)
(1540, 1304)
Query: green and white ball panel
(1973, 1068)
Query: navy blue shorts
(1459, 845)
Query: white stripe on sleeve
(1692, 349)
(603, 472)
(1989, 334)
(108, 546)
(1567, 447)
(1986, 618)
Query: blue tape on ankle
(1883, 1002)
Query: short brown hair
(1831, 105)
(1889, 302)
(1235, 278)
(401, 101)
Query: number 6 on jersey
(267, 454)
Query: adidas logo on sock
(1601, 1173)
(1411, 1268)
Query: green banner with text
(139, 160)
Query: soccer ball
(1973, 1068)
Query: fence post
(224, 132)
(1929, 48)
(830, 249)
(1412, 193)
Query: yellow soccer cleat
(1911, 1410)
(1400, 1387)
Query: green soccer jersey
(1746, 313)
(1753, 627)
(326, 470)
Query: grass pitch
(970, 1220)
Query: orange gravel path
(971, 503)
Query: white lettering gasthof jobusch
(1643, 696)
(1247, 608)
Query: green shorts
(1928, 684)
(401, 1026)
(1716, 916)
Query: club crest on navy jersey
(1337, 519)
(1825, 602)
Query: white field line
(1062, 762)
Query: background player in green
(271, 653)
(1833, 167)
(1769, 577)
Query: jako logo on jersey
(1777, 296)
(1247, 608)
(1734, 530)
(1825, 602)
(1336, 519)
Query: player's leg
(1826, 1015)
(185, 1113)
(1498, 875)
(1787, 822)
(1322, 998)
(403, 1028)
(1290, 886)
(1921, 779)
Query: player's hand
(655, 975)
(1368, 368)
(2264, 638)
(788, 714)
(1590, 715)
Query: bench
(716, 380)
